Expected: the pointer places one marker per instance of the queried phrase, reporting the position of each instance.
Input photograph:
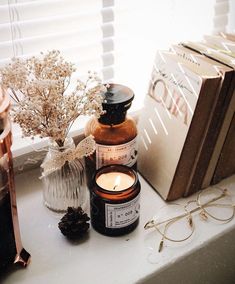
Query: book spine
(193, 140)
(226, 60)
(211, 135)
(220, 140)
(226, 163)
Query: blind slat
(50, 25)
(57, 41)
(40, 9)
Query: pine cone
(74, 223)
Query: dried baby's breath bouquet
(44, 107)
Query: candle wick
(114, 187)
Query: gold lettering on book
(173, 101)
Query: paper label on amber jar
(124, 154)
(122, 214)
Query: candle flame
(117, 182)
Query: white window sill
(208, 257)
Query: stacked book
(187, 127)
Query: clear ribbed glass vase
(65, 186)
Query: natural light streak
(153, 126)
(167, 111)
(187, 79)
(146, 134)
(160, 119)
(145, 145)
(175, 104)
(182, 93)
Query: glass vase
(66, 186)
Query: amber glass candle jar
(115, 195)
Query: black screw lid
(117, 100)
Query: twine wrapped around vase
(85, 148)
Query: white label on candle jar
(125, 154)
(122, 214)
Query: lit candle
(115, 200)
(115, 181)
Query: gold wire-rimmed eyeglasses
(176, 224)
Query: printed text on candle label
(125, 154)
(122, 214)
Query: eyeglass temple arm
(151, 223)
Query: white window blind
(82, 30)
(118, 39)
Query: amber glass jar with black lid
(115, 132)
(115, 212)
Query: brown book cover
(226, 163)
(175, 117)
(217, 115)
(221, 145)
